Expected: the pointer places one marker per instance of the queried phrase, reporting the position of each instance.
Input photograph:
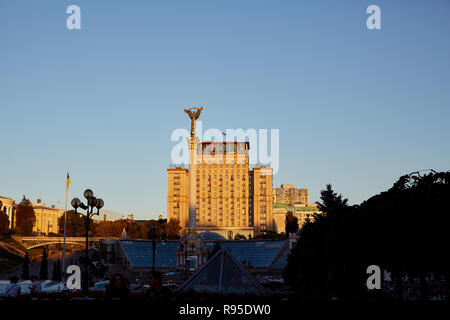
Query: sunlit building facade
(288, 194)
(8, 206)
(46, 218)
(230, 199)
(302, 212)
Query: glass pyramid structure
(223, 274)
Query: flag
(68, 180)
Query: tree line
(25, 218)
(76, 227)
(403, 230)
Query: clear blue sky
(355, 107)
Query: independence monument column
(193, 113)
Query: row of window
(222, 181)
(243, 212)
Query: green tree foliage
(43, 273)
(314, 263)
(25, 218)
(4, 222)
(26, 267)
(331, 201)
(403, 230)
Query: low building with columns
(46, 218)
(8, 206)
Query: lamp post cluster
(92, 203)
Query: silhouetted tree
(313, 262)
(43, 273)
(291, 223)
(57, 270)
(331, 201)
(403, 230)
(26, 267)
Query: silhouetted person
(157, 292)
(117, 289)
(13, 289)
(35, 286)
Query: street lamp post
(152, 232)
(92, 202)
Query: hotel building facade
(46, 218)
(230, 199)
(8, 206)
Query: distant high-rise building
(288, 194)
(261, 192)
(178, 195)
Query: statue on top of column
(193, 113)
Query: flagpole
(65, 224)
